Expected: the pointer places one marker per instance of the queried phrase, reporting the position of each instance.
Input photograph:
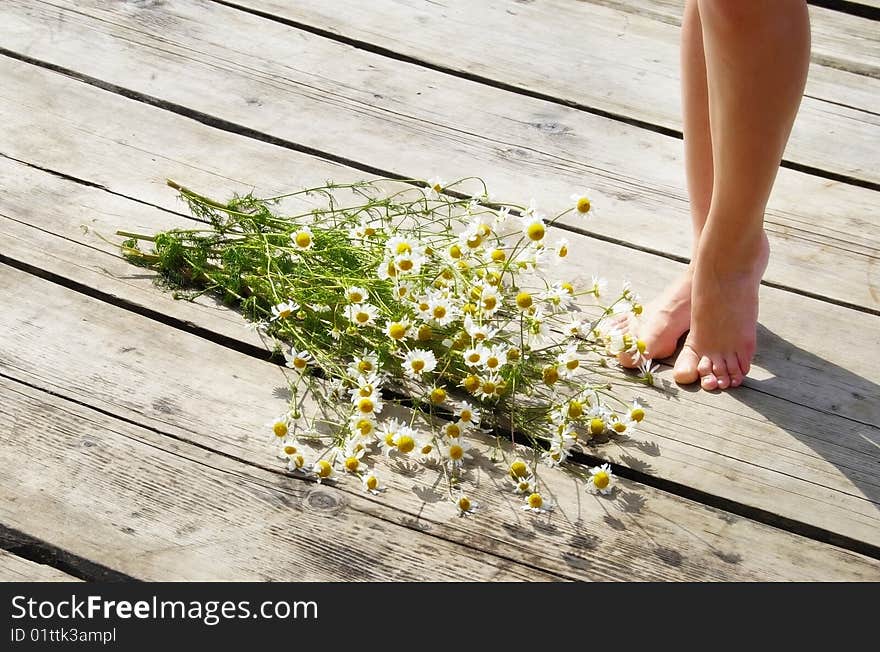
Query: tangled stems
(387, 292)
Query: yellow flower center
(474, 241)
(423, 306)
(323, 469)
(524, 300)
(469, 309)
(298, 460)
(405, 265)
(471, 383)
(289, 449)
(456, 452)
(284, 313)
(303, 239)
(453, 431)
(562, 252)
(493, 278)
(489, 303)
(436, 187)
(518, 469)
(568, 287)
(535, 501)
(355, 297)
(492, 362)
(524, 485)
(425, 332)
(619, 426)
(366, 405)
(405, 444)
(550, 375)
(575, 409)
(474, 357)
(438, 395)
(597, 426)
(372, 483)
(455, 251)
(637, 310)
(498, 256)
(601, 480)
(466, 415)
(365, 366)
(369, 231)
(280, 429)
(427, 448)
(464, 503)
(484, 229)
(299, 363)
(489, 387)
(439, 312)
(403, 248)
(583, 205)
(536, 232)
(391, 269)
(637, 414)
(513, 354)
(417, 365)
(389, 439)
(571, 365)
(397, 331)
(362, 317)
(365, 390)
(364, 426)
(352, 463)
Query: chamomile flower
(537, 503)
(637, 411)
(366, 228)
(288, 450)
(534, 228)
(647, 369)
(490, 301)
(466, 506)
(435, 187)
(478, 332)
(356, 294)
(491, 387)
(367, 406)
(568, 361)
(302, 239)
(583, 203)
(598, 286)
(495, 358)
(296, 463)
(467, 414)
(280, 427)
(387, 434)
(284, 310)
(297, 360)
(441, 311)
(365, 364)
(523, 485)
(558, 297)
(601, 479)
(405, 441)
(397, 330)
(518, 469)
(453, 430)
(457, 451)
(418, 362)
(425, 448)
(537, 329)
(501, 215)
(361, 427)
(399, 245)
(371, 483)
(561, 249)
(350, 460)
(362, 314)
(366, 385)
(409, 263)
(475, 356)
(323, 470)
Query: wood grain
(359, 106)
(16, 569)
(800, 439)
(183, 466)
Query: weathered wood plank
(607, 58)
(16, 569)
(160, 509)
(781, 431)
(363, 107)
(177, 384)
(839, 40)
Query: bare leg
(668, 316)
(757, 55)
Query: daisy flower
(409, 263)
(534, 228)
(468, 415)
(561, 250)
(356, 294)
(397, 330)
(598, 286)
(490, 301)
(323, 470)
(418, 362)
(601, 479)
(441, 311)
(284, 310)
(350, 460)
(453, 430)
(568, 361)
(297, 360)
(478, 332)
(435, 187)
(637, 411)
(522, 486)
(361, 427)
(280, 427)
(457, 452)
(537, 329)
(647, 369)
(366, 363)
(501, 215)
(583, 203)
(405, 440)
(491, 387)
(371, 483)
(287, 450)
(367, 406)
(466, 506)
(425, 448)
(297, 463)
(366, 386)
(362, 314)
(366, 228)
(302, 238)
(495, 358)
(475, 356)
(537, 503)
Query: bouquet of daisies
(412, 317)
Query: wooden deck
(131, 424)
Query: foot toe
(708, 379)
(685, 371)
(736, 375)
(719, 368)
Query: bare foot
(724, 315)
(664, 320)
